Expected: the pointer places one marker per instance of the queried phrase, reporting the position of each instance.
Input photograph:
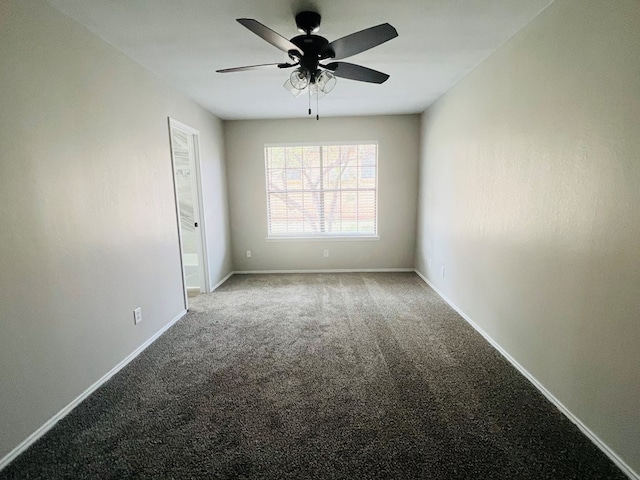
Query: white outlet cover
(248, 253)
(442, 271)
(137, 315)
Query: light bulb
(299, 79)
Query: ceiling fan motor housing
(308, 22)
(314, 48)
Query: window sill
(368, 238)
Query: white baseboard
(327, 270)
(26, 443)
(221, 281)
(590, 434)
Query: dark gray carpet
(317, 376)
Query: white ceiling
(185, 41)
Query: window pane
(276, 157)
(332, 212)
(294, 157)
(277, 214)
(367, 204)
(294, 179)
(312, 178)
(312, 214)
(349, 154)
(331, 156)
(311, 157)
(331, 177)
(349, 178)
(277, 179)
(349, 211)
(295, 213)
(367, 177)
(367, 154)
(366, 227)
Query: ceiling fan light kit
(307, 51)
(300, 80)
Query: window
(322, 190)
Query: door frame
(196, 185)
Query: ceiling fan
(307, 51)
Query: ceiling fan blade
(269, 35)
(256, 67)
(356, 72)
(360, 41)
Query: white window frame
(326, 236)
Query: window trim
(316, 237)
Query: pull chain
(317, 110)
(309, 99)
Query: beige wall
(530, 187)
(87, 214)
(398, 148)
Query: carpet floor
(317, 376)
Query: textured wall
(530, 186)
(87, 214)
(398, 147)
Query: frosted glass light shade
(299, 79)
(288, 86)
(326, 81)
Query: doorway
(188, 193)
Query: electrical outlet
(326, 253)
(248, 253)
(430, 263)
(137, 315)
(442, 271)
